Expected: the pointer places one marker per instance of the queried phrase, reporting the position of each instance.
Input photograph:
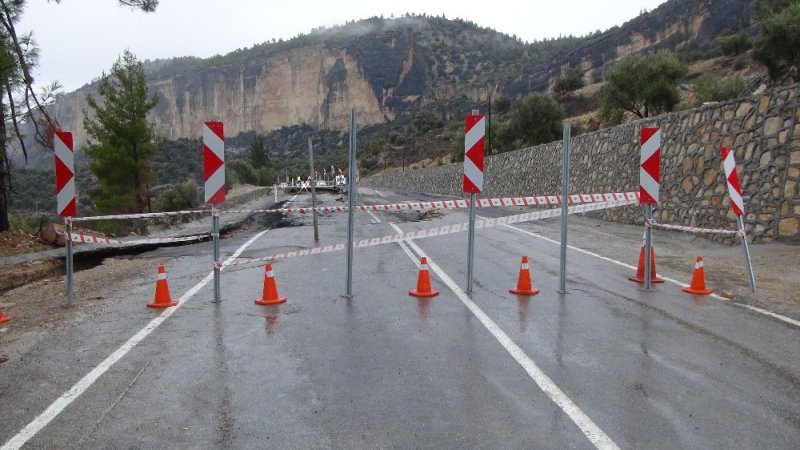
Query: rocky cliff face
(313, 85)
(384, 67)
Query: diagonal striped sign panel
(65, 174)
(474, 134)
(734, 187)
(650, 172)
(214, 162)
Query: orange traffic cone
(269, 295)
(698, 285)
(162, 298)
(3, 317)
(524, 286)
(423, 281)
(639, 278)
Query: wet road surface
(605, 365)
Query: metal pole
(489, 121)
(68, 244)
(564, 210)
(746, 250)
(215, 238)
(313, 188)
(648, 245)
(351, 203)
(276, 193)
(471, 242)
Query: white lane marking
(374, 217)
(770, 313)
(599, 438)
(86, 382)
(671, 280)
(379, 193)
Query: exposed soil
(16, 243)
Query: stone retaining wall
(763, 130)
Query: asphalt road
(605, 365)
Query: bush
(741, 63)
(502, 104)
(572, 80)
(710, 89)
(29, 224)
(736, 44)
(243, 172)
(179, 197)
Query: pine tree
(124, 144)
(18, 99)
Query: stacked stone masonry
(763, 130)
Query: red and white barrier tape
(542, 200)
(88, 239)
(456, 204)
(690, 229)
(140, 216)
(445, 229)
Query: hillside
(395, 72)
(388, 67)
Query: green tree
(778, 45)
(736, 44)
(641, 85)
(534, 120)
(18, 99)
(570, 81)
(124, 147)
(257, 154)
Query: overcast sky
(79, 39)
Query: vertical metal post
(471, 242)
(215, 238)
(313, 176)
(70, 269)
(746, 250)
(562, 286)
(648, 244)
(276, 193)
(351, 195)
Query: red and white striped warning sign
(474, 133)
(734, 187)
(65, 174)
(214, 162)
(649, 175)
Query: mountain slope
(389, 67)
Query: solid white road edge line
(673, 281)
(587, 426)
(86, 382)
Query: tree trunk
(5, 169)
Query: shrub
(570, 81)
(736, 44)
(710, 89)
